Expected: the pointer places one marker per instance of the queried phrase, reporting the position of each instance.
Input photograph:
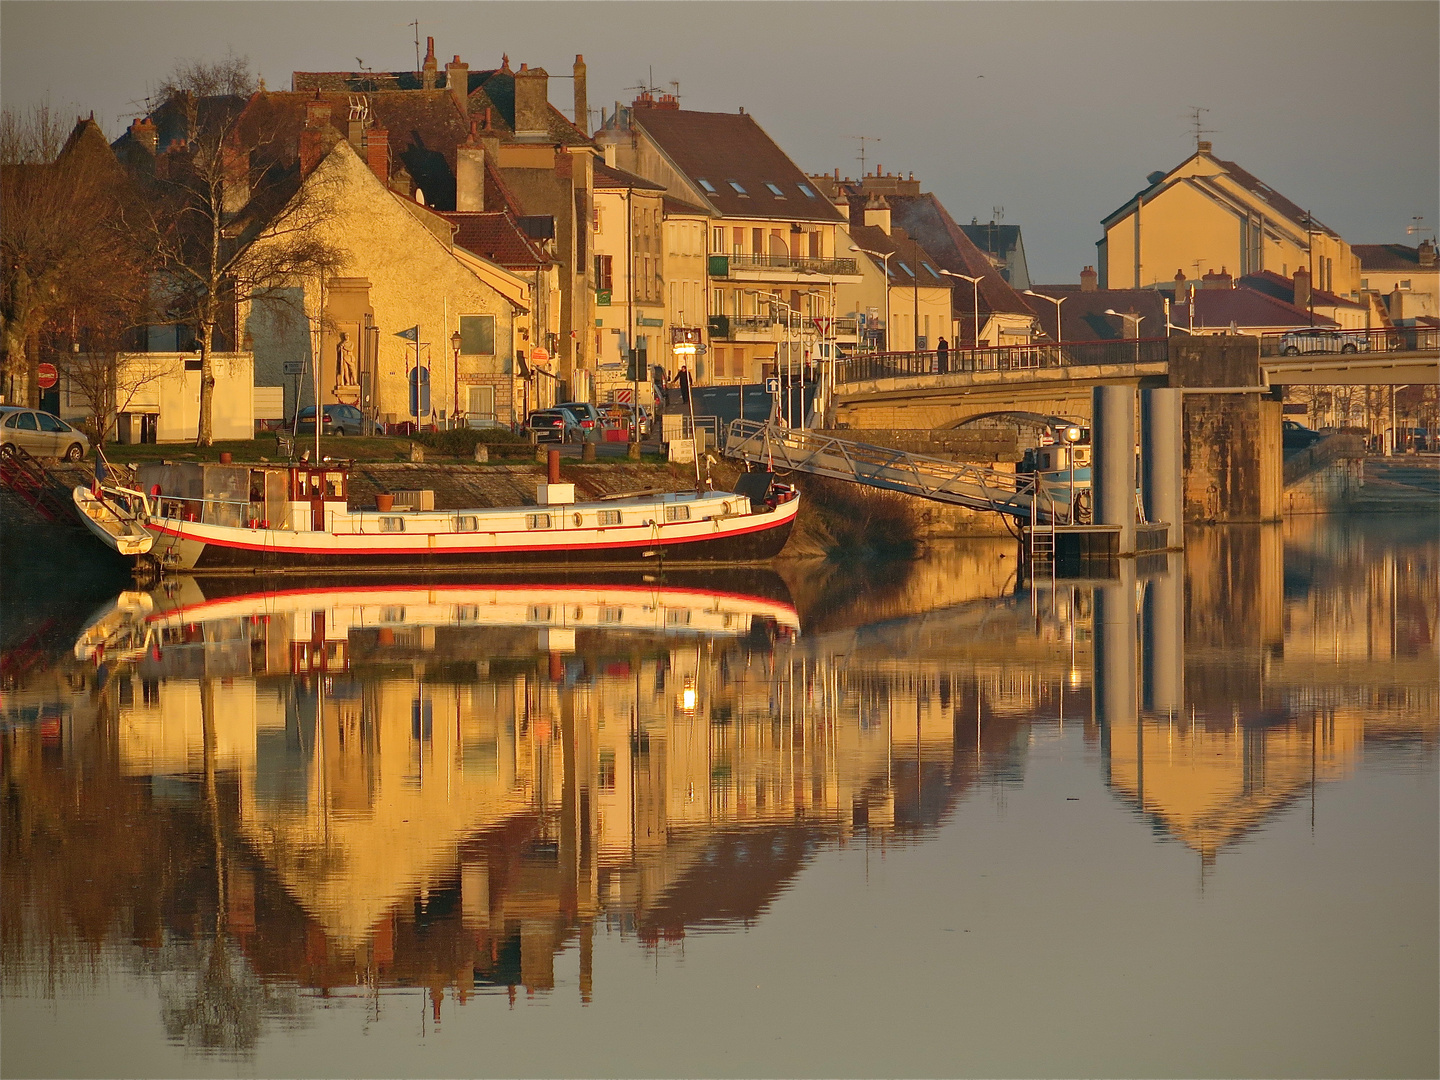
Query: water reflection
(248, 793)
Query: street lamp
(1138, 320)
(975, 287)
(1057, 301)
(885, 261)
(455, 358)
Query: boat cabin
(296, 497)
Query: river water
(910, 819)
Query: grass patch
(850, 519)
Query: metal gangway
(976, 487)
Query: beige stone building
(629, 275)
(1208, 214)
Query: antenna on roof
(997, 214)
(1417, 227)
(416, 25)
(863, 140)
(1199, 132)
(676, 84)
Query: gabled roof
(1083, 318)
(495, 236)
(1264, 191)
(1388, 256)
(906, 255)
(924, 218)
(681, 208)
(1283, 288)
(609, 178)
(1215, 309)
(998, 240)
(728, 149)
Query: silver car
(41, 433)
(1324, 341)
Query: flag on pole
(413, 334)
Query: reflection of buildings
(430, 788)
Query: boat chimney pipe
(552, 461)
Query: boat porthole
(578, 520)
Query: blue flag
(413, 334)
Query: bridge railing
(893, 365)
(1332, 340)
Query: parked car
(618, 415)
(588, 415)
(339, 420)
(1323, 341)
(1296, 436)
(41, 433)
(554, 425)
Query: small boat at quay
(221, 518)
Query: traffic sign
(540, 355)
(772, 386)
(47, 376)
(293, 367)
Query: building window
(709, 187)
(719, 304)
(467, 523)
(609, 517)
(719, 362)
(805, 190)
(775, 190)
(604, 280)
(537, 521)
(1364, 283)
(738, 189)
(477, 335)
(717, 237)
(597, 218)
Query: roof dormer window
(738, 189)
(775, 190)
(805, 190)
(709, 187)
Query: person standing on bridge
(942, 355)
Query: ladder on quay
(37, 486)
(976, 487)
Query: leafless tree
(212, 210)
(59, 212)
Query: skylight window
(736, 185)
(805, 190)
(906, 268)
(930, 269)
(709, 187)
(775, 190)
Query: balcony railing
(798, 324)
(722, 265)
(897, 365)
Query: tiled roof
(609, 177)
(1283, 288)
(496, 237)
(1387, 256)
(680, 206)
(924, 218)
(1264, 191)
(998, 240)
(1216, 309)
(1083, 318)
(905, 253)
(729, 149)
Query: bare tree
(59, 210)
(213, 209)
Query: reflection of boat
(181, 613)
(209, 518)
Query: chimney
(1222, 280)
(145, 133)
(877, 213)
(377, 153)
(1088, 278)
(1426, 251)
(432, 67)
(313, 135)
(1302, 287)
(470, 174)
(1202, 146)
(1179, 286)
(582, 102)
(457, 81)
(610, 154)
(489, 140)
(235, 175)
(355, 132)
(532, 104)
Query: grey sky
(1055, 111)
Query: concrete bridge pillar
(1112, 461)
(1162, 476)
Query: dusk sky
(1054, 111)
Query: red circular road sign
(47, 376)
(539, 355)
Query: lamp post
(975, 290)
(1057, 301)
(1138, 320)
(455, 360)
(885, 262)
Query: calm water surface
(917, 819)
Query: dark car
(339, 420)
(554, 425)
(586, 414)
(1296, 436)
